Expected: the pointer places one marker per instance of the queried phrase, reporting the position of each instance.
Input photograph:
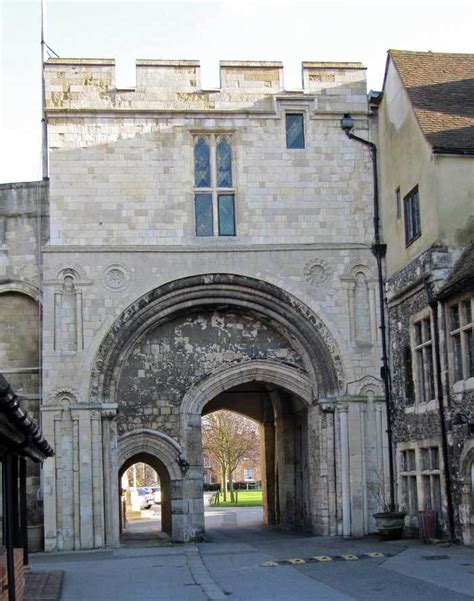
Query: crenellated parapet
(175, 85)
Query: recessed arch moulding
(183, 344)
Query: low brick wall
(19, 576)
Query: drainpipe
(378, 250)
(442, 420)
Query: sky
(208, 31)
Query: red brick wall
(19, 576)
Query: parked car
(146, 498)
(156, 492)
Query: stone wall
(170, 359)
(24, 224)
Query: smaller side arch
(22, 288)
(466, 474)
(151, 442)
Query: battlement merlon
(89, 84)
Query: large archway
(191, 344)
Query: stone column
(48, 417)
(110, 467)
(267, 442)
(345, 470)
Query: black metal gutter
(433, 303)
(379, 250)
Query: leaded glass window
(202, 164)
(224, 164)
(226, 215)
(214, 198)
(204, 217)
(294, 130)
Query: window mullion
(215, 216)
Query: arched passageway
(283, 422)
(133, 497)
(227, 341)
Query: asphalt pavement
(243, 560)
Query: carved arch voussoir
(154, 443)
(285, 376)
(291, 316)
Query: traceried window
(294, 130)
(461, 329)
(214, 195)
(411, 204)
(424, 363)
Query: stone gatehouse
(208, 249)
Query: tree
(229, 438)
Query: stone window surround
(466, 383)
(420, 406)
(419, 472)
(296, 106)
(212, 135)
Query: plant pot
(390, 524)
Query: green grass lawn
(246, 498)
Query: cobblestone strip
(201, 575)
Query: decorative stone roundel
(116, 277)
(316, 271)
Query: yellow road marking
(296, 561)
(375, 554)
(322, 558)
(350, 557)
(269, 564)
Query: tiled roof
(441, 89)
(461, 278)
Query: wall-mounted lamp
(461, 418)
(347, 123)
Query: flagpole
(44, 122)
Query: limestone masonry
(206, 246)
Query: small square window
(294, 131)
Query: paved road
(229, 566)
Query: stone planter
(390, 524)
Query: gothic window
(461, 330)
(294, 130)
(214, 197)
(202, 164)
(224, 164)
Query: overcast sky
(208, 31)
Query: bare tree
(229, 438)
